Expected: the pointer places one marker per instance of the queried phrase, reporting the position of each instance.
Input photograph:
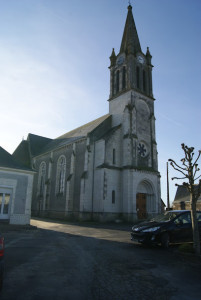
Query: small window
(124, 78)
(114, 157)
(138, 77)
(113, 197)
(182, 205)
(117, 81)
(144, 81)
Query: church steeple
(130, 69)
(130, 42)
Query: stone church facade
(106, 169)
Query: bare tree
(189, 171)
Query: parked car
(171, 227)
(1, 260)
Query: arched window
(138, 77)
(124, 78)
(144, 81)
(117, 81)
(41, 178)
(113, 197)
(61, 172)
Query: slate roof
(22, 155)
(36, 143)
(182, 194)
(85, 129)
(73, 135)
(130, 40)
(8, 161)
(58, 143)
(30, 148)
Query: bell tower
(131, 107)
(130, 68)
(131, 101)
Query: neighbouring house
(182, 199)
(16, 183)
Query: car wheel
(165, 240)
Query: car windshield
(169, 215)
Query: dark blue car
(171, 227)
(1, 260)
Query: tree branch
(197, 178)
(173, 162)
(173, 178)
(186, 176)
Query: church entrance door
(141, 206)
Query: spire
(113, 58)
(130, 41)
(149, 57)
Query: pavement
(88, 261)
(6, 227)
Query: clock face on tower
(120, 59)
(140, 59)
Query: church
(107, 169)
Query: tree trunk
(195, 228)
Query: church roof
(21, 154)
(130, 41)
(30, 148)
(36, 143)
(85, 129)
(58, 143)
(8, 161)
(73, 135)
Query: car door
(182, 231)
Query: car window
(199, 216)
(165, 217)
(183, 219)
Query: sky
(54, 77)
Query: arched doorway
(144, 199)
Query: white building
(16, 182)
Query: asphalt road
(75, 262)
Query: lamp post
(168, 198)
